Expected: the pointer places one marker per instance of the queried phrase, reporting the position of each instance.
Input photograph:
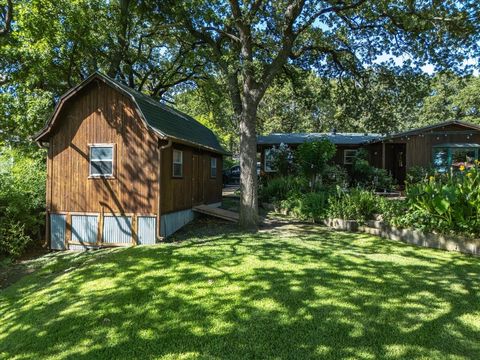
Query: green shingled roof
(163, 119)
(170, 122)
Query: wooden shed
(123, 168)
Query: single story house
(445, 145)
(124, 169)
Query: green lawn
(292, 292)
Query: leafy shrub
(356, 204)
(313, 158)
(447, 202)
(22, 199)
(279, 188)
(228, 162)
(418, 173)
(335, 175)
(13, 240)
(394, 212)
(367, 176)
(283, 159)
(310, 206)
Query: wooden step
(217, 212)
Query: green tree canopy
(451, 97)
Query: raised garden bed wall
(415, 237)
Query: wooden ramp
(217, 212)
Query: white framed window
(269, 160)
(213, 167)
(101, 160)
(348, 156)
(177, 169)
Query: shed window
(177, 163)
(270, 160)
(453, 156)
(213, 167)
(101, 160)
(348, 156)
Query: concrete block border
(341, 224)
(437, 241)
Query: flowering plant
(448, 202)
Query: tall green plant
(280, 188)
(367, 176)
(22, 199)
(313, 158)
(283, 159)
(449, 202)
(356, 204)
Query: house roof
(165, 121)
(335, 138)
(435, 126)
(351, 138)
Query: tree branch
(6, 15)
(336, 9)
(291, 14)
(222, 32)
(254, 8)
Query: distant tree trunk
(122, 43)
(6, 14)
(248, 165)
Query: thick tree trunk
(248, 166)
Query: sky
(428, 68)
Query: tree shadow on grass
(294, 293)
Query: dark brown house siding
(419, 147)
(401, 152)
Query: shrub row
(292, 196)
(22, 200)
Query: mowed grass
(289, 293)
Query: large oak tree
(51, 45)
(249, 42)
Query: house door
(197, 191)
(396, 162)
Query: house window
(269, 160)
(453, 156)
(348, 156)
(101, 160)
(213, 167)
(177, 163)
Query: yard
(293, 291)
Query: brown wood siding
(375, 154)
(185, 192)
(100, 114)
(419, 147)
(419, 150)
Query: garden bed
(431, 240)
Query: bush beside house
(22, 201)
(442, 203)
